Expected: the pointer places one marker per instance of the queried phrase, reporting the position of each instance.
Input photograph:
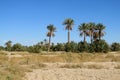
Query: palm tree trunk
(91, 36)
(49, 43)
(84, 38)
(68, 36)
(99, 35)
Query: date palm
(91, 27)
(51, 29)
(69, 24)
(100, 27)
(83, 28)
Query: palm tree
(83, 28)
(95, 35)
(8, 45)
(50, 33)
(91, 27)
(69, 24)
(100, 27)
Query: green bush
(115, 46)
(2, 48)
(83, 47)
(18, 47)
(72, 47)
(100, 46)
(58, 47)
(34, 49)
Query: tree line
(92, 30)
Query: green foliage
(51, 29)
(83, 47)
(100, 46)
(18, 47)
(69, 23)
(2, 48)
(67, 47)
(115, 46)
(59, 47)
(91, 29)
(72, 47)
(8, 45)
(34, 49)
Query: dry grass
(90, 66)
(117, 67)
(11, 71)
(14, 68)
(72, 66)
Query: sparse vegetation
(90, 66)
(72, 66)
(15, 67)
(115, 46)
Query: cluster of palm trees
(95, 31)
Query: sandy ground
(54, 72)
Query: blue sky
(25, 21)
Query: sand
(54, 72)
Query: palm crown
(51, 31)
(69, 23)
(83, 28)
(100, 27)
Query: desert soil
(54, 72)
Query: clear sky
(25, 21)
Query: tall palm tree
(91, 27)
(51, 29)
(100, 27)
(69, 24)
(83, 28)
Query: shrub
(59, 47)
(2, 48)
(72, 47)
(83, 47)
(34, 49)
(115, 46)
(100, 46)
(18, 47)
